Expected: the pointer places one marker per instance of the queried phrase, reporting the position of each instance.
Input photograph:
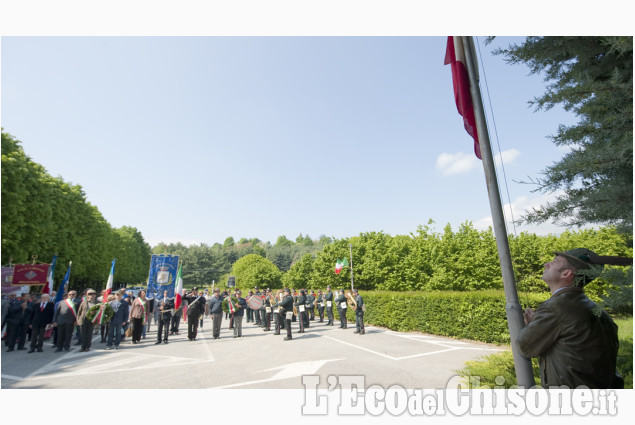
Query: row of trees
(461, 260)
(206, 264)
(44, 215)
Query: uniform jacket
(42, 317)
(64, 314)
(339, 300)
(360, 302)
(575, 339)
(328, 297)
(286, 304)
(195, 309)
(300, 301)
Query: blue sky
(194, 139)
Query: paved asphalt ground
(258, 360)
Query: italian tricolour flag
(111, 278)
(178, 291)
(339, 264)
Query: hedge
(476, 315)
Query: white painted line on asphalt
(291, 370)
(210, 356)
(360, 348)
(428, 354)
(14, 378)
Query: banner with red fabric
(30, 274)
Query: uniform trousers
(329, 315)
(342, 313)
(359, 320)
(192, 327)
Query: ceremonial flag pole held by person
(49, 279)
(60, 292)
(350, 246)
(178, 292)
(111, 278)
(461, 55)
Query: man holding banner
(166, 307)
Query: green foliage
(478, 315)
(593, 78)
(486, 371)
(299, 276)
(253, 270)
(44, 215)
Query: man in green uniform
(575, 339)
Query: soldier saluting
(195, 309)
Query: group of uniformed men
(291, 306)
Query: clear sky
(194, 139)
(197, 138)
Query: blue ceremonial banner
(162, 276)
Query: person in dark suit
(65, 319)
(18, 321)
(340, 301)
(119, 319)
(195, 309)
(41, 316)
(166, 307)
(328, 301)
(320, 305)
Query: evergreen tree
(593, 78)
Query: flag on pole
(455, 56)
(60, 293)
(111, 278)
(49, 278)
(340, 264)
(178, 292)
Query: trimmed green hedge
(476, 315)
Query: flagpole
(515, 322)
(350, 246)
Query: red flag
(455, 56)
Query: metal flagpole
(515, 321)
(350, 246)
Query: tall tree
(593, 78)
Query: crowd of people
(31, 319)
